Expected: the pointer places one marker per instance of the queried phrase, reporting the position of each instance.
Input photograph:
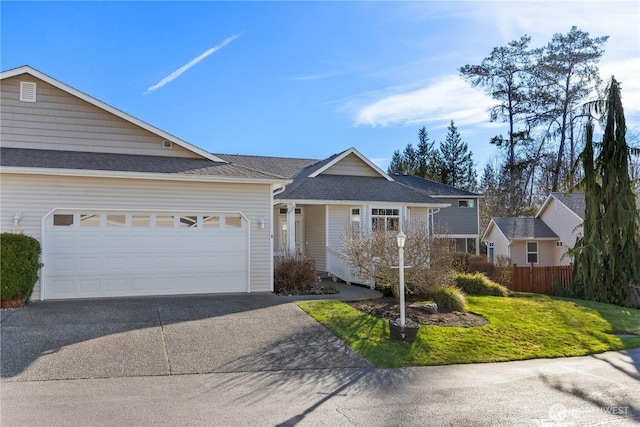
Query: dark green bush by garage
(20, 262)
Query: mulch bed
(389, 308)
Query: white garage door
(89, 254)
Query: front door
(284, 234)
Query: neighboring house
(460, 221)
(523, 240)
(559, 219)
(312, 213)
(122, 208)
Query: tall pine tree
(457, 162)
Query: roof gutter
(140, 175)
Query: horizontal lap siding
(60, 121)
(338, 218)
(351, 165)
(455, 220)
(546, 252)
(566, 225)
(35, 196)
(315, 234)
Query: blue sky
(303, 79)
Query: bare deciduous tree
(428, 257)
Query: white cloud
(448, 98)
(191, 63)
(626, 73)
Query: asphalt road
(259, 360)
(595, 390)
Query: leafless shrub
(293, 272)
(428, 259)
(503, 271)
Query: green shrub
(448, 298)
(293, 273)
(20, 261)
(479, 284)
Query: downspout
(433, 212)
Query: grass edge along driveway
(524, 326)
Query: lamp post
(401, 240)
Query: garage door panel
(89, 264)
(109, 260)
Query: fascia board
(360, 202)
(546, 203)
(139, 175)
(344, 154)
(110, 109)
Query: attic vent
(28, 91)
(167, 144)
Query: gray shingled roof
(353, 188)
(521, 228)
(55, 159)
(429, 187)
(282, 166)
(574, 201)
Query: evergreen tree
(410, 159)
(428, 157)
(587, 265)
(607, 255)
(566, 73)
(457, 162)
(396, 164)
(506, 76)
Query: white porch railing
(338, 267)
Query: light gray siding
(351, 165)
(61, 121)
(315, 220)
(36, 195)
(500, 243)
(338, 219)
(566, 225)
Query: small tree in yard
(428, 259)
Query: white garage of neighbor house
(122, 208)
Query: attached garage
(122, 208)
(89, 254)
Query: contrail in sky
(191, 63)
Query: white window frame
(386, 217)
(536, 253)
(470, 203)
(355, 220)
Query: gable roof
(39, 75)
(346, 188)
(522, 228)
(575, 202)
(432, 188)
(320, 167)
(126, 165)
(282, 166)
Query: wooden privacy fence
(540, 280)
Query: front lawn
(526, 326)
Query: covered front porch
(318, 231)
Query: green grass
(527, 326)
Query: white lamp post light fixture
(401, 241)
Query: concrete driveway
(150, 336)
